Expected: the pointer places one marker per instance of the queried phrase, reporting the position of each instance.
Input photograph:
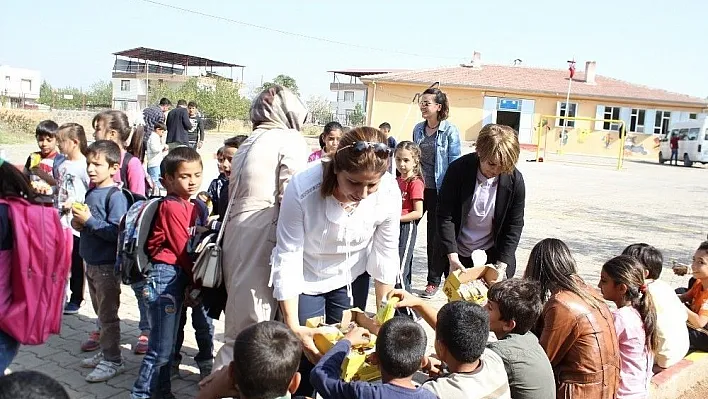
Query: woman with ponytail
(622, 282)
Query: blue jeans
(154, 173)
(168, 283)
(331, 305)
(8, 350)
(143, 307)
(203, 332)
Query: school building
(524, 98)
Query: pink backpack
(39, 265)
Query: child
(113, 125)
(98, 223)
(410, 181)
(329, 140)
(231, 145)
(156, 150)
(269, 355)
(166, 283)
(195, 135)
(72, 185)
(400, 350)
(386, 129)
(215, 186)
(30, 385)
(697, 300)
(622, 282)
(671, 317)
(45, 133)
(514, 306)
(461, 332)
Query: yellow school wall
(391, 102)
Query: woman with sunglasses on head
(338, 226)
(481, 202)
(439, 142)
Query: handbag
(208, 267)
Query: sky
(71, 41)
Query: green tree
(320, 109)
(45, 93)
(357, 117)
(100, 94)
(281, 80)
(223, 101)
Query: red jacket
(674, 142)
(174, 224)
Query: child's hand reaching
(358, 337)
(406, 299)
(432, 365)
(219, 384)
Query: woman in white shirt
(338, 225)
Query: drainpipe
(370, 111)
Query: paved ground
(595, 209)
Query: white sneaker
(93, 361)
(105, 370)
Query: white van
(693, 142)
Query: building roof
(168, 57)
(536, 80)
(357, 73)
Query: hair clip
(643, 288)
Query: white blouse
(321, 247)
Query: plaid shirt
(152, 115)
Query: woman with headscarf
(261, 169)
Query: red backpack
(39, 265)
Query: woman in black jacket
(481, 202)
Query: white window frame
(125, 85)
(609, 114)
(350, 93)
(664, 120)
(560, 113)
(634, 120)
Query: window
(693, 134)
(611, 113)
(572, 114)
(636, 122)
(706, 134)
(348, 96)
(661, 122)
(26, 85)
(124, 85)
(692, 116)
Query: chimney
(590, 67)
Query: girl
(329, 139)
(410, 181)
(155, 152)
(113, 125)
(622, 282)
(72, 183)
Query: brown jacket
(581, 343)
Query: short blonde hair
(499, 143)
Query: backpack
(130, 196)
(132, 261)
(149, 184)
(39, 268)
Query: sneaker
(141, 347)
(71, 308)
(93, 361)
(430, 291)
(105, 370)
(93, 342)
(205, 367)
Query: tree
(45, 93)
(281, 80)
(100, 94)
(223, 101)
(357, 117)
(320, 109)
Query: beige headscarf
(278, 108)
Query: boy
(30, 385)
(46, 135)
(231, 145)
(514, 306)
(697, 300)
(461, 332)
(196, 133)
(215, 186)
(670, 313)
(155, 153)
(266, 367)
(174, 223)
(98, 222)
(400, 350)
(386, 129)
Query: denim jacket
(447, 146)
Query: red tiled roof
(365, 72)
(536, 80)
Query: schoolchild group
(528, 341)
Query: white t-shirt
(489, 381)
(153, 152)
(72, 185)
(671, 328)
(320, 247)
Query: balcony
(347, 86)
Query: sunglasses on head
(361, 146)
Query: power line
(287, 33)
